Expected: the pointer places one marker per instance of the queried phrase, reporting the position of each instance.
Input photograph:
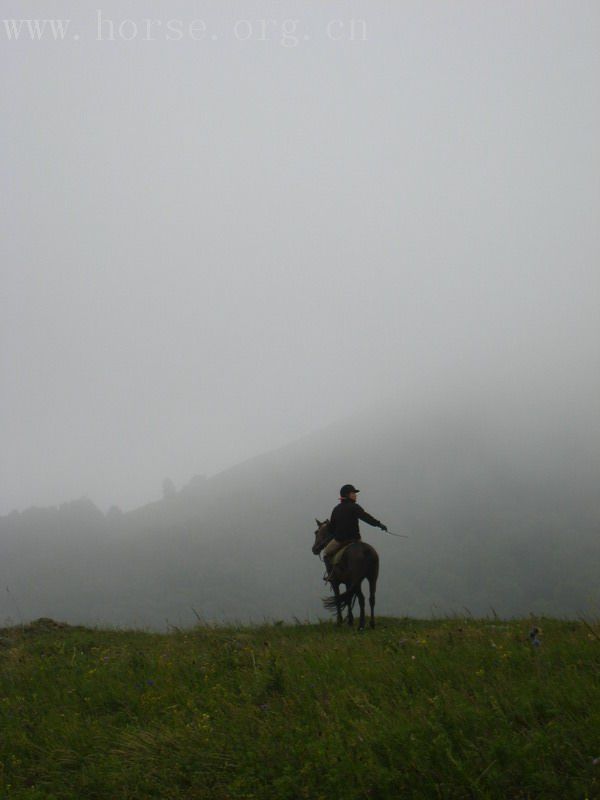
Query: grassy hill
(454, 708)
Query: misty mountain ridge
(500, 505)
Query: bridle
(323, 542)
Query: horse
(359, 561)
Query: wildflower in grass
(203, 722)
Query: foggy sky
(210, 248)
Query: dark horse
(358, 561)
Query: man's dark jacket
(344, 520)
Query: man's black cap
(346, 489)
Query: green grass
(415, 709)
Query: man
(344, 524)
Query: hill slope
(501, 509)
(460, 708)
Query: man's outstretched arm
(366, 517)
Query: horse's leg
(336, 591)
(372, 584)
(350, 598)
(361, 603)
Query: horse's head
(322, 536)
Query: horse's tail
(344, 599)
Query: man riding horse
(344, 525)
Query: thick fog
(213, 246)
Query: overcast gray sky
(213, 243)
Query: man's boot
(328, 567)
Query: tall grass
(456, 708)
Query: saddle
(337, 557)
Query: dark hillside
(502, 513)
